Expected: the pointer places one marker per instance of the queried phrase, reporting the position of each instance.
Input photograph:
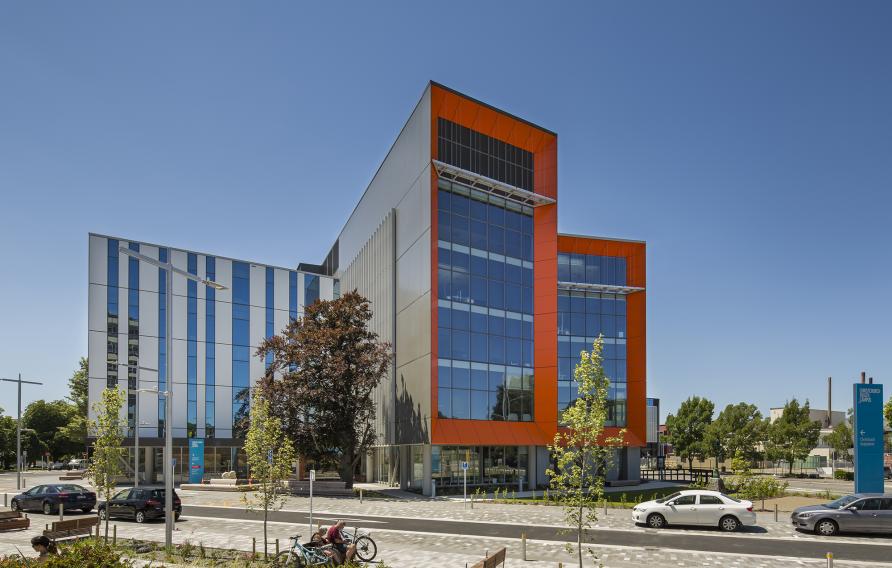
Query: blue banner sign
(868, 405)
(196, 461)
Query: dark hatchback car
(139, 504)
(47, 498)
(861, 512)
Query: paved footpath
(416, 549)
(415, 531)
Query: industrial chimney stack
(829, 402)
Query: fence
(696, 475)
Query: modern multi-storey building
(455, 243)
(214, 336)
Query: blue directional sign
(868, 405)
(196, 460)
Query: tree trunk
(265, 540)
(345, 469)
(107, 499)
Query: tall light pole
(137, 390)
(18, 433)
(168, 399)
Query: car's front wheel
(15, 505)
(102, 514)
(729, 524)
(47, 508)
(656, 521)
(140, 517)
(826, 527)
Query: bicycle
(299, 556)
(366, 549)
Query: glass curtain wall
(582, 316)
(485, 306)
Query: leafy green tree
(7, 440)
(737, 430)
(841, 440)
(793, 435)
(330, 363)
(270, 454)
(581, 452)
(32, 447)
(887, 412)
(74, 434)
(108, 454)
(48, 419)
(688, 429)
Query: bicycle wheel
(366, 549)
(288, 559)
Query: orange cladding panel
(486, 120)
(636, 325)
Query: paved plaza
(408, 548)
(400, 549)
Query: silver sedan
(861, 512)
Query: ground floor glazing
(432, 469)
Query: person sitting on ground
(336, 537)
(318, 538)
(44, 548)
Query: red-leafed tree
(325, 367)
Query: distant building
(819, 456)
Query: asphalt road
(667, 538)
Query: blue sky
(749, 143)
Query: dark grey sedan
(860, 513)
(48, 498)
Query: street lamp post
(18, 433)
(137, 390)
(168, 402)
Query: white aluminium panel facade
(214, 332)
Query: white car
(695, 507)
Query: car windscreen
(71, 488)
(669, 497)
(842, 502)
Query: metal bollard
(114, 534)
(360, 496)
(775, 512)
(5, 504)
(829, 560)
(61, 512)
(277, 547)
(253, 547)
(605, 506)
(523, 545)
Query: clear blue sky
(749, 143)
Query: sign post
(868, 404)
(312, 479)
(464, 472)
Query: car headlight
(805, 515)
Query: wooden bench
(10, 520)
(497, 559)
(75, 528)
